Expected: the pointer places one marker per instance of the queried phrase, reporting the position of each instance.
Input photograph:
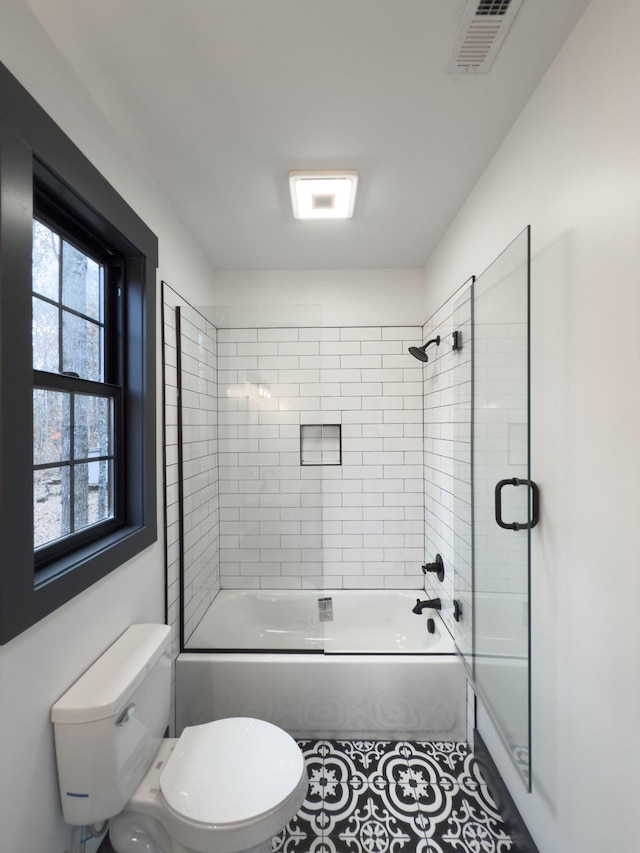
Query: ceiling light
(324, 194)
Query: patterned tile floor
(394, 797)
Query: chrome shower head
(421, 352)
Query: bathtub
(334, 621)
(372, 671)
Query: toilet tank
(108, 725)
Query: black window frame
(42, 170)
(111, 386)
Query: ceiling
(219, 99)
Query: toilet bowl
(222, 787)
(227, 786)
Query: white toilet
(223, 787)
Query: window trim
(35, 152)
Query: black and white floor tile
(394, 797)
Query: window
(77, 474)
(77, 369)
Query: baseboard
(514, 824)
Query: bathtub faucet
(435, 603)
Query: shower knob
(437, 566)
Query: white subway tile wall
(199, 446)
(200, 466)
(170, 412)
(283, 525)
(255, 518)
(447, 456)
(462, 474)
(501, 451)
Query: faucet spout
(419, 606)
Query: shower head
(421, 352)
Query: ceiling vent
(483, 28)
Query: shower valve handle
(437, 566)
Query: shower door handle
(535, 504)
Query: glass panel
(82, 294)
(92, 493)
(45, 261)
(199, 512)
(93, 480)
(91, 499)
(51, 419)
(81, 282)
(44, 335)
(253, 574)
(51, 520)
(500, 451)
(81, 347)
(92, 427)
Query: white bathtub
(361, 621)
(382, 674)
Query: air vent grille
(482, 30)
(493, 7)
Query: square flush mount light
(323, 195)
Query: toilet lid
(231, 771)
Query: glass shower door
(503, 498)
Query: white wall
(37, 667)
(571, 167)
(320, 297)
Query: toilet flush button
(231, 771)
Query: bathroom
(569, 168)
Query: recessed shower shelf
(320, 444)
